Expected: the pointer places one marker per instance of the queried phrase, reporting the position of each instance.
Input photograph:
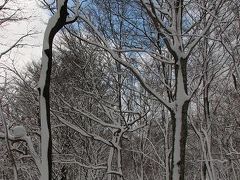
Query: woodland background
(135, 85)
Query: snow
(33, 152)
(19, 131)
(180, 100)
(42, 83)
(45, 141)
(177, 138)
(51, 23)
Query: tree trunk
(55, 23)
(179, 122)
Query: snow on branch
(212, 16)
(91, 116)
(55, 23)
(19, 134)
(83, 132)
(95, 167)
(114, 55)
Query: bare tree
(9, 15)
(151, 81)
(56, 22)
(167, 21)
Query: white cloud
(12, 31)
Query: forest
(124, 90)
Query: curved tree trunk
(55, 23)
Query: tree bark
(55, 23)
(179, 122)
